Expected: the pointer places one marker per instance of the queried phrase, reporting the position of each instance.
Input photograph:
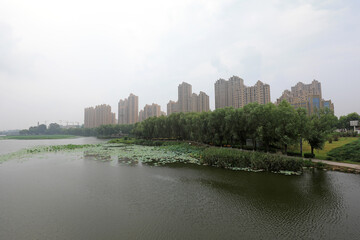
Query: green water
(71, 196)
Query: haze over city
(57, 58)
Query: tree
(217, 125)
(344, 121)
(320, 125)
(267, 124)
(54, 128)
(302, 125)
(286, 130)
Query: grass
(322, 153)
(347, 152)
(34, 137)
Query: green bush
(245, 147)
(309, 155)
(308, 163)
(294, 154)
(228, 158)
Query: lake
(67, 195)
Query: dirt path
(338, 164)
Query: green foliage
(294, 154)
(344, 121)
(309, 155)
(348, 152)
(232, 158)
(321, 124)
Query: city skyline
(57, 58)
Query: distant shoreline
(37, 137)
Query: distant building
(188, 101)
(89, 118)
(128, 110)
(199, 103)
(172, 107)
(306, 96)
(153, 110)
(184, 95)
(100, 115)
(233, 93)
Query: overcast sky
(58, 57)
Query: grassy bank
(38, 137)
(323, 153)
(349, 152)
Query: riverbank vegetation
(269, 127)
(228, 158)
(234, 158)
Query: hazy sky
(58, 57)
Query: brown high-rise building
(306, 96)
(153, 110)
(172, 107)
(100, 115)
(199, 103)
(89, 118)
(128, 110)
(233, 93)
(184, 95)
(203, 102)
(188, 101)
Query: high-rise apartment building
(306, 96)
(184, 95)
(188, 101)
(172, 107)
(89, 118)
(233, 93)
(100, 115)
(203, 102)
(128, 110)
(153, 110)
(199, 103)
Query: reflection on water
(69, 196)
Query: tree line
(269, 126)
(101, 131)
(273, 126)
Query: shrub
(309, 155)
(330, 140)
(320, 165)
(245, 147)
(227, 158)
(308, 163)
(294, 154)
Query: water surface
(69, 196)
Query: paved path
(338, 164)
